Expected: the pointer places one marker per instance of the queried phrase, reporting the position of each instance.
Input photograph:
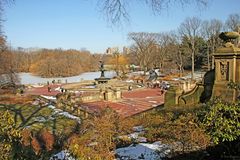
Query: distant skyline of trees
(54, 62)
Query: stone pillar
(189, 84)
(213, 60)
(177, 94)
(184, 85)
(172, 95)
(108, 95)
(234, 68)
(118, 94)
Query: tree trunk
(181, 64)
(208, 58)
(213, 50)
(193, 50)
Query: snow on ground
(58, 89)
(63, 155)
(146, 151)
(136, 135)
(63, 113)
(198, 75)
(138, 129)
(49, 97)
(141, 151)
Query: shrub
(96, 140)
(222, 120)
(9, 136)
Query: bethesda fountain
(102, 79)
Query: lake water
(28, 78)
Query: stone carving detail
(224, 67)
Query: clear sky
(78, 24)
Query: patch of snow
(198, 75)
(65, 114)
(63, 155)
(56, 111)
(136, 138)
(49, 97)
(138, 128)
(68, 115)
(51, 107)
(35, 103)
(135, 135)
(142, 139)
(146, 151)
(58, 89)
(39, 119)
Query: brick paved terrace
(133, 102)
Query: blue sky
(78, 24)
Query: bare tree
(233, 22)
(118, 10)
(5, 56)
(114, 10)
(190, 29)
(2, 4)
(143, 48)
(178, 56)
(163, 49)
(210, 30)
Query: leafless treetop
(2, 4)
(117, 11)
(233, 22)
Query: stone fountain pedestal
(102, 79)
(227, 67)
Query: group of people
(49, 88)
(158, 84)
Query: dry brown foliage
(36, 146)
(54, 63)
(96, 140)
(48, 139)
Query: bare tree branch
(2, 4)
(233, 22)
(114, 10)
(190, 29)
(117, 11)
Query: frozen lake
(28, 78)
